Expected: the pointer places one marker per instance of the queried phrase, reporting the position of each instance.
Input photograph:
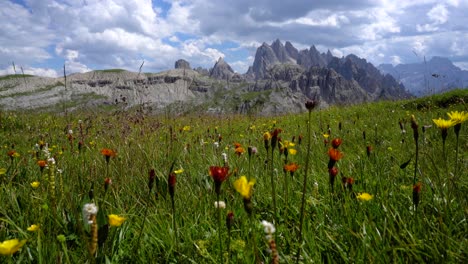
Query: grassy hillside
(339, 224)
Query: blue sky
(42, 35)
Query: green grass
(14, 76)
(111, 70)
(337, 227)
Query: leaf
(404, 165)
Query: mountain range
(428, 77)
(280, 80)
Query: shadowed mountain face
(355, 74)
(280, 80)
(433, 76)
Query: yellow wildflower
(326, 135)
(443, 124)
(179, 171)
(115, 220)
(186, 128)
(266, 136)
(292, 151)
(2, 171)
(9, 247)
(33, 228)
(244, 187)
(35, 184)
(364, 197)
(458, 117)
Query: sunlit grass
(373, 221)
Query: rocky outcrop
(182, 64)
(311, 57)
(221, 70)
(368, 77)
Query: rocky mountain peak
(182, 64)
(221, 70)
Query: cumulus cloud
(94, 34)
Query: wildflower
(326, 136)
(89, 214)
(42, 164)
(364, 197)
(225, 158)
(310, 105)
(268, 227)
(458, 117)
(336, 143)
(179, 171)
(292, 151)
(10, 247)
(239, 151)
(13, 154)
(186, 128)
(108, 153)
(229, 220)
(35, 184)
(3, 171)
(220, 204)
(33, 228)
(216, 144)
(107, 183)
(252, 151)
(171, 182)
(219, 175)
(244, 187)
(416, 193)
(335, 155)
(266, 139)
(274, 137)
(291, 168)
(89, 210)
(115, 220)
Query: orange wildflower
(291, 167)
(334, 154)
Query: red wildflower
(336, 143)
(219, 175)
(171, 183)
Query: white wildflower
(220, 204)
(269, 228)
(216, 144)
(224, 156)
(89, 209)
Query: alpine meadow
(379, 182)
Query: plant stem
(218, 213)
(273, 191)
(304, 188)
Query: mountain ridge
(280, 80)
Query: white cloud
(438, 14)
(32, 71)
